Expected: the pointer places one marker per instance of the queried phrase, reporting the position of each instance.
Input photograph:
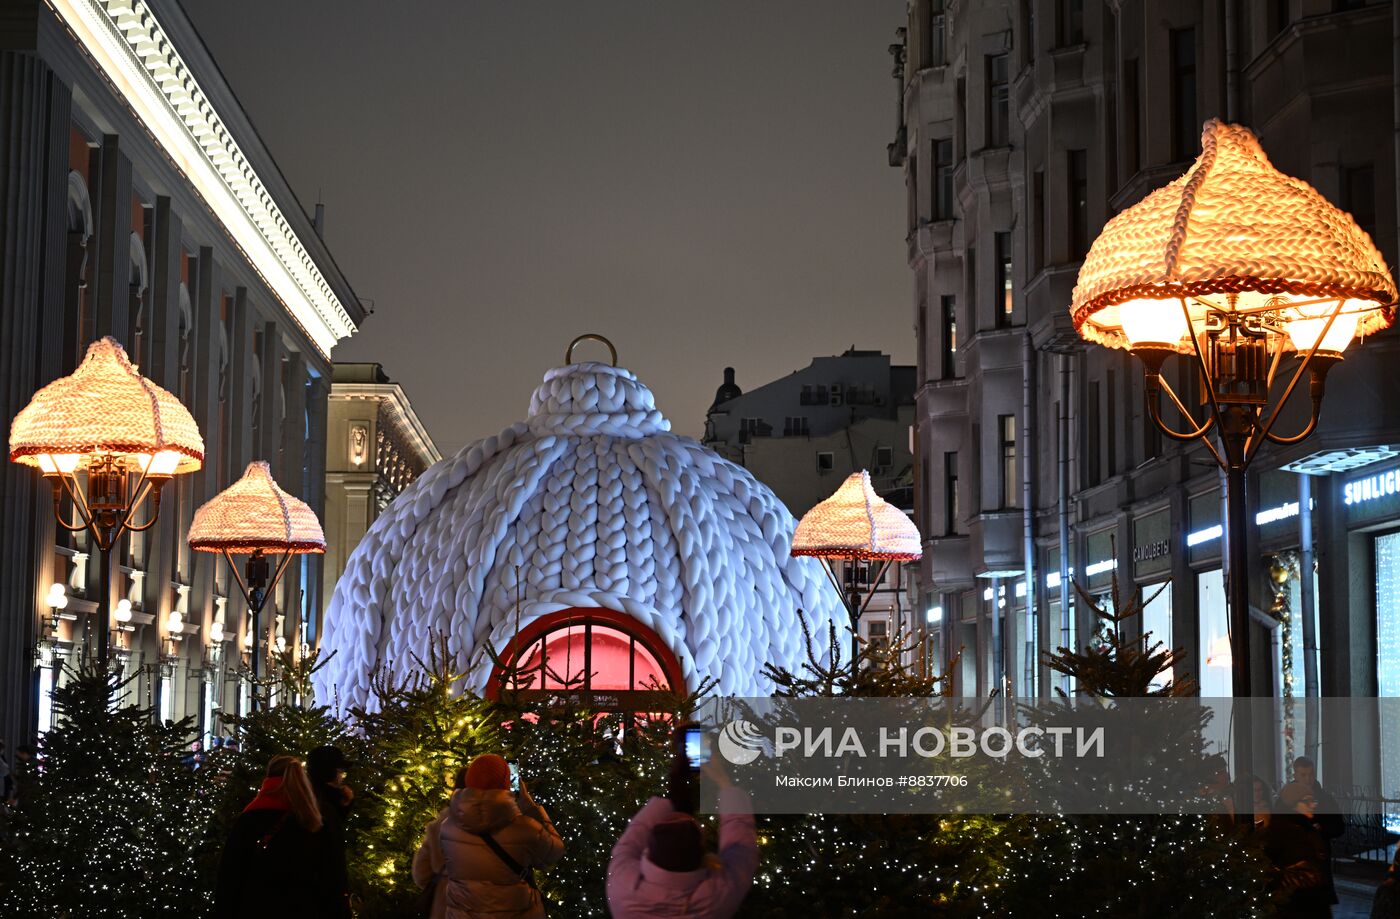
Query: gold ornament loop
(589, 336)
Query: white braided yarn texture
(590, 503)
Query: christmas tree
(897, 864)
(1158, 865)
(421, 730)
(112, 823)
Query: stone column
(270, 432)
(34, 120)
(113, 206)
(206, 305)
(317, 396)
(240, 395)
(290, 450)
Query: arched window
(186, 337)
(80, 230)
(136, 302)
(598, 658)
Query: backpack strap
(276, 828)
(526, 874)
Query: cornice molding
(393, 399)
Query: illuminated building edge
(130, 47)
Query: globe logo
(741, 742)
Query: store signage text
(1372, 487)
(1148, 552)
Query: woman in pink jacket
(660, 867)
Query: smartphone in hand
(697, 747)
(514, 776)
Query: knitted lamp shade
(106, 406)
(856, 523)
(1233, 224)
(254, 513)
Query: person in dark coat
(1296, 850)
(1386, 905)
(326, 767)
(276, 863)
(1327, 819)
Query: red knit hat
(488, 771)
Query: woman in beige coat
(488, 845)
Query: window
(826, 462)
(838, 396)
(1006, 428)
(971, 282)
(1214, 653)
(950, 493)
(1186, 127)
(749, 428)
(933, 35)
(1112, 416)
(1002, 294)
(1151, 438)
(950, 336)
(884, 458)
(1038, 220)
(1093, 458)
(1132, 117)
(998, 102)
(857, 574)
(586, 650)
(912, 178)
(1077, 177)
(1388, 650)
(1359, 195)
(943, 179)
(878, 634)
(1071, 22)
(1157, 624)
(795, 426)
(806, 397)
(960, 117)
(1028, 31)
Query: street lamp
(857, 525)
(57, 602)
(1233, 267)
(255, 517)
(126, 434)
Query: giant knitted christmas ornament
(590, 504)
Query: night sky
(704, 183)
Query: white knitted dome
(596, 506)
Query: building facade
(375, 448)
(1025, 126)
(802, 435)
(140, 203)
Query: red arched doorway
(595, 658)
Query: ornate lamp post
(857, 525)
(1234, 267)
(125, 434)
(255, 517)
